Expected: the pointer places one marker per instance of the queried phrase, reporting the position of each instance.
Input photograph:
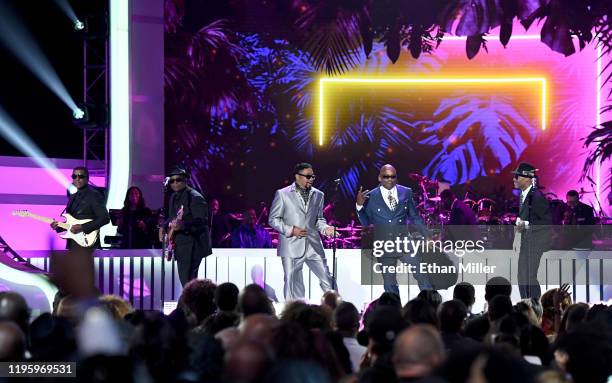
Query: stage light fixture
(90, 116)
(80, 26)
(79, 114)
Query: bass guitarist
(191, 233)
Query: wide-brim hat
(177, 171)
(525, 170)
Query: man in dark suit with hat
(192, 237)
(533, 226)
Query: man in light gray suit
(297, 215)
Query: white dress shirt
(524, 194)
(355, 350)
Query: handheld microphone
(166, 180)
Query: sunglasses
(176, 180)
(389, 177)
(307, 176)
(81, 176)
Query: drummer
(460, 213)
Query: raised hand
(361, 196)
(560, 295)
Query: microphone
(590, 180)
(338, 181)
(166, 180)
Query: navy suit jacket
(376, 212)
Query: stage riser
(579, 268)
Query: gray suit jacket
(288, 210)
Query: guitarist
(86, 203)
(191, 234)
(74, 273)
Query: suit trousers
(188, 258)
(528, 264)
(390, 279)
(294, 283)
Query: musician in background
(460, 213)
(533, 227)
(86, 203)
(328, 214)
(192, 236)
(220, 227)
(580, 217)
(250, 234)
(135, 223)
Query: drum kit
(433, 213)
(348, 237)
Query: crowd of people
(218, 334)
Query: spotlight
(79, 25)
(90, 115)
(80, 113)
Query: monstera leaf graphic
(465, 123)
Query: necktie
(305, 195)
(392, 201)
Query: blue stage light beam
(20, 140)
(20, 42)
(64, 5)
(67, 9)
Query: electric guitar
(82, 239)
(169, 244)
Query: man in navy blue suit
(390, 205)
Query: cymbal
(349, 228)
(337, 239)
(416, 177)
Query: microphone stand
(164, 248)
(601, 210)
(334, 238)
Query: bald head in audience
(12, 342)
(258, 327)
(247, 361)
(14, 308)
(417, 351)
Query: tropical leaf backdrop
(240, 78)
